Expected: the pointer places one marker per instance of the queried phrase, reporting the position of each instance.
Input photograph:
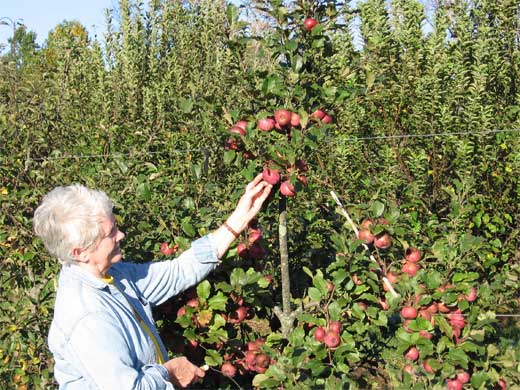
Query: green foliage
(144, 115)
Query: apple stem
(356, 231)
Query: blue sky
(41, 16)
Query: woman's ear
(80, 255)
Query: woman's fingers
(253, 183)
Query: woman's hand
(250, 202)
(183, 372)
(248, 206)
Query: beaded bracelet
(231, 230)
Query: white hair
(69, 217)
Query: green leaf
(314, 294)
(370, 78)
(335, 310)
(218, 321)
(458, 357)
(229, 156)
(187, 227)
(143, 191)
(186, 105)
(466, 276)
(478, 379)
(377, 208)
(259, 379)
(291, 45)
(469, 242)
(232, 14)
(297, 336)
(297, 65)
(271, 85)
(203, 290)
(444, 326)
(213, 358)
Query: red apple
(409, 312)
(425, 334)
(410, 268)
(383, 303)
(412, 254)
(256, 251)
(412, 354)
(301, 165)
(310, 23)
(238, 315)
(295, 119)
(166, 250)
(181, 311)
(272, 176)
(502, 384)
(318, 114)
(287, 189)
(454, 384)
(331, 339)
(463, 377)
(409, 369)
(237, 130)
(266, 124)
(456, 319)
(282, 117)
(432, 308)
(366, 223)
(427, 367)
(472, 295)
(242, 124)
(250, 358)
(326, 119)
(335, 326)
(254, 235)
(441, 306)
(383, 241)
(242, 250)
(231, 144)
(356, 280)
(303, 180)
(366, 236)
(193, 303)
(362, 305)
(392, 277)
(262, 360)
(319, 333)
(228, 370)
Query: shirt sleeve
(107, 360)
(162, 280)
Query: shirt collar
(76, 272)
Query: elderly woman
(103, 335)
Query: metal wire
(206, 151)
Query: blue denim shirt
(95, 337)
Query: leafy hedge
(424, 134)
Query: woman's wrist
(235, 225)
(231, 230)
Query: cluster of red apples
(413, 309)
(283, 121)
(382, 240)
(253, 360)
(330, 336)
(251, 248)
